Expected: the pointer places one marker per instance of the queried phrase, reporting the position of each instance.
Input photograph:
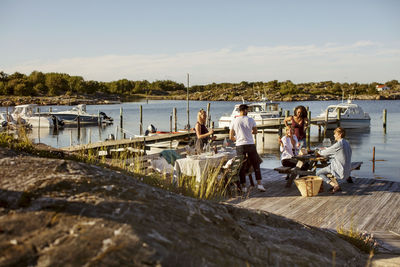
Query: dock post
(175, 120)
(263, 137)
(326, 122)
(50, 109)
(319, 132)
(384, 117)
(208, 115)
(38, 111)
(373, 159)
(70, 138)
(280, 128)
(170, 123)
(286, 113)
(338, 114)
(308, 133)
(280, 112)
(79, 126)
(121, 119)
(140, 120)
(116, 133)
(90, 136)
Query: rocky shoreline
(56, 212)
(8, 101)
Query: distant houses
(382, 87)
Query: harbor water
(159, 112)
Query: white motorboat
(352, 116)
(27, 113)
(261, 112)
(71, 116)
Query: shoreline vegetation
(63, 89)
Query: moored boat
(71, 116)
(352, 116)
(27, 113)
(262, 112)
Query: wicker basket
(309, 185)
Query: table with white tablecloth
(200, 165)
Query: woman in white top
(289, 146)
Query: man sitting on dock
(241, 130)
(340, 166)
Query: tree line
(53, 84)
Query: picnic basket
(308, 185)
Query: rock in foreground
(57, 212)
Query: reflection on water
(362, 141)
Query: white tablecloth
(199, 165)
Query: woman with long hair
(299, 123)
(202, 133)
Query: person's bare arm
(232, 135)
(198, 131)
(286, 120)
(254, 131)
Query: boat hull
(351, 123)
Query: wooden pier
(366, 205)
(141, 141)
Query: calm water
(158, 113)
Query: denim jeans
(323, 172)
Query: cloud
(362, 61)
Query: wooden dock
(366, 205)
(141, 141)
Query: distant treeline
(53, 84)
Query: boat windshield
(272, 107)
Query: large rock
(56, 212)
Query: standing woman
(202, 133)
(299, 122)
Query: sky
(211, 40)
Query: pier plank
(367, 205)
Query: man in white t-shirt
(241, 132)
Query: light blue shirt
(341, 161)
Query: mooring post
(208, 115)
(121, 119)
(175, 120)
(338, 114)
(98, 118)
(326, 122)
(38, 111)
(140, 120)
(263, 138)
(90, 136)
(286, 113)
(170, 123)
(79, 126)
(384, 117)
(280, 112)
(70, 138)
(50, 109)
(373, 159)
(308, 133)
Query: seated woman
(340, 166)
(202, 133)
(289, 147)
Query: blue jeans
(323, 172)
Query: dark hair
(303, 111)
(243, 107)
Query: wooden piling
(308, 133)
(175, 120)
(384, 117)
(70, 138)
(38, 111)
(170, 123)
(338, 114)
(140, 120)
(98, 118)
(208, 115)
(121, 118)
(263, 137)
(280, 112)
(326, 122)
(373, 159)
(287, 113)
(79, 125)
(50, 109)
(90, 136)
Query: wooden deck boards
(367, 205)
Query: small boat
(27, 113)
(352, 116)
(262, 112)
(71, 116)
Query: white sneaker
(244, 189)
(261, 188)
